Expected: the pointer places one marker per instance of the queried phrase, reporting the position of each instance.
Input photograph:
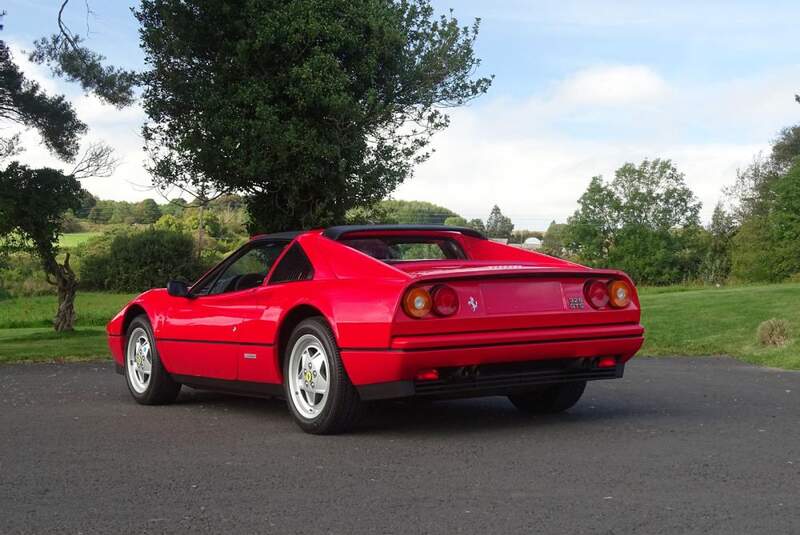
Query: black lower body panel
(494, 379)
(238, 388)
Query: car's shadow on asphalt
(491, 414)
(447, 416)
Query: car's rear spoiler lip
(516, 271)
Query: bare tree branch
(98, 161)
(64, 30)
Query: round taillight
(620, 294)
(596, 294)
(417, 302)
(445, 300)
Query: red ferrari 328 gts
(331, 318)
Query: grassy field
(679, 321)
(26, 332)
(44, 344)
(721, 321)
(93, 309)
(69, 241)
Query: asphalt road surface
(677, 446)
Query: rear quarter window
(294, 266)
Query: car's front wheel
(549, 399)
(148, 381)
(318, 391)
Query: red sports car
(331, 318)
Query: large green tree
(498, 225)
(716, 266)
(752, 193)
(553, 242)
(33, 201)
(767, 246)
(31, 210)
(761, 199)
(416, 212)
(645, 221)
(307, 107)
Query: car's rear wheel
(148, 381)
(549, 399)
(318, 391)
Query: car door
(202, 335)
(259, 361)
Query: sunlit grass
(72, 240)
(92, 309)
(42, 344)
(722, 321)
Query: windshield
(403, 248)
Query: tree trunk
(66, 285)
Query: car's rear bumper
(470, 363)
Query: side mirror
(177, 289)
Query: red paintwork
(523, 313)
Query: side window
(294, 266)
(247, 271)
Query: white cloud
(536, 180)
(612, 85)
(92, 110)
(534, 157)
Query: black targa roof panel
(338, 232)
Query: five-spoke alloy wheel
(308, 376)
(318, 391)
(148, 381)
(139, 361)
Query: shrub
(22, 276)
(130, 262)
(773, 332)
(70, 223)
(169, 222)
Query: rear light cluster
(441, 300)
(614, 294)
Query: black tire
(161, 388)
(343, 406)
(549, 399)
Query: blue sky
(580, 88)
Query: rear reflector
(427, 375)
(607, 362)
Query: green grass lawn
(44, 344)
(679, 321)
(26, 333)
(721, 321)
(70, 241)
(93, 309)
